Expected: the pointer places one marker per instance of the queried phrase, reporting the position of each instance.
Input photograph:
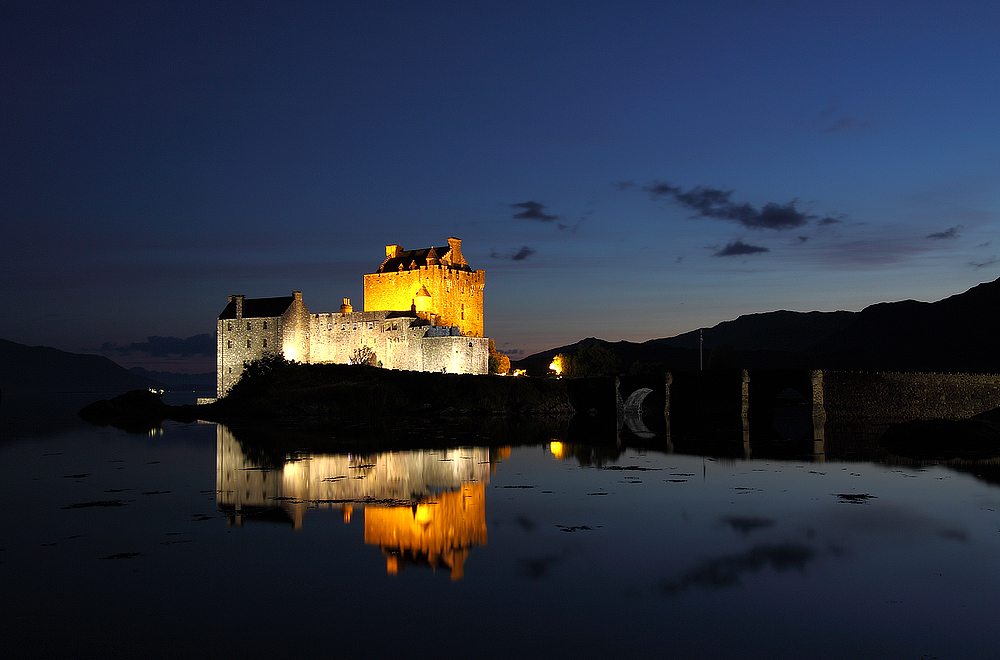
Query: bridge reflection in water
(425, 507)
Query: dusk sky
(623, 170)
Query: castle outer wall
(399, 340)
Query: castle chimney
(239, 305)
(346, 307)
(393, 251)
(456, 251)
(297, 295)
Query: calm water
(187, 542)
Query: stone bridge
(791, 404)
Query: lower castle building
(431, 319)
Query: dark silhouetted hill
(956, 334)
(42, 369)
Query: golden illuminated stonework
(438, 532)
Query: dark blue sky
(625, 170)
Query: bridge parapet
(785, 403)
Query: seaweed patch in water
(577, 528)
(854, 498)
(93, 503)
(123, 555)
(631, 468)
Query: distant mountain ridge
(956, 334)
(43, 369)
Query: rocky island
(276, 391)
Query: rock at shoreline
(134, 410)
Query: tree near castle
(364, 355)
(499, 363)
(588, 360)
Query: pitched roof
(256, 308)
(413, 259)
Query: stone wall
(244, 340)
(295, 344)
(875, 398)
(454, 297)
(455, 355)
(334, 337)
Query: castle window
(230, 325)
(343, 326)
(248, 343)
(230, 370)
(265, 325)
(329, 326)
(248, 325)
(229, 343)
(371, 326)
(355, 326)
(265, 344)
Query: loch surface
(189, 541)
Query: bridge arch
(632, 410)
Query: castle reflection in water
(425, 507)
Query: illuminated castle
(423, 311)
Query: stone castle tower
(436, 283)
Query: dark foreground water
(190, 542)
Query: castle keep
(423, 311)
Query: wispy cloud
(832, 120)
(983, 264)
(951, 232)
(519, 255)
(531, 210)
(739, 248)
(717, 203)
